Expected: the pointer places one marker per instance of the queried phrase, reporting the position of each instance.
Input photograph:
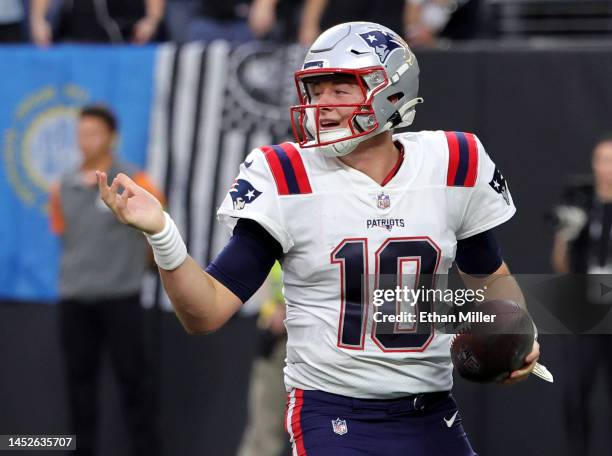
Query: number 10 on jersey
(351, 256)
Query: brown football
(490, 351)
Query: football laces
(541, 371)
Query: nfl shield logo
(383, 201)
(339, 426)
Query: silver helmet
(387, 73)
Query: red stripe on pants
(296, 424)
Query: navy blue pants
(324, 424)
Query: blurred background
(194, 86)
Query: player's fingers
(114, 188)
(531, 357)
(516, 377)
(102, 180)
(127, 193)
(113, 196)
(535, 353)
(523, 372)
(124, 180)
(530, 361)
(120, 206)
(103, 186)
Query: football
(495, 346)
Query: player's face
(335, 92)
(602, 163)
(94, 137)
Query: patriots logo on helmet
(381, 42)
(243, 193)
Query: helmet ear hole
(395, 97)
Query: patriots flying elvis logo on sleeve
(499, 184)
(243, 193)
(382, 43)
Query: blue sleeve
(479, 254)
(245, 262)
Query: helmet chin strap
(341, 148)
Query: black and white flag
(212, 105)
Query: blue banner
(41, 93)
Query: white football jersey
(340, 231)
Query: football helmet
(385, 69)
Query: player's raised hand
(135, 206)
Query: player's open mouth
(329, 124)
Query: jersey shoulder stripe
(462, 159)
(288, 169)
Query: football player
(344, 208)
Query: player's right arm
(201, 302)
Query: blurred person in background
(12, 16)
(101, 271)
(98, 21)
(276, 20)
(264, 434)
(322, 14)
(221, 20)
(426, 21)
(583, 247)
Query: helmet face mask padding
(371, 56)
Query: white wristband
(168, 247)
